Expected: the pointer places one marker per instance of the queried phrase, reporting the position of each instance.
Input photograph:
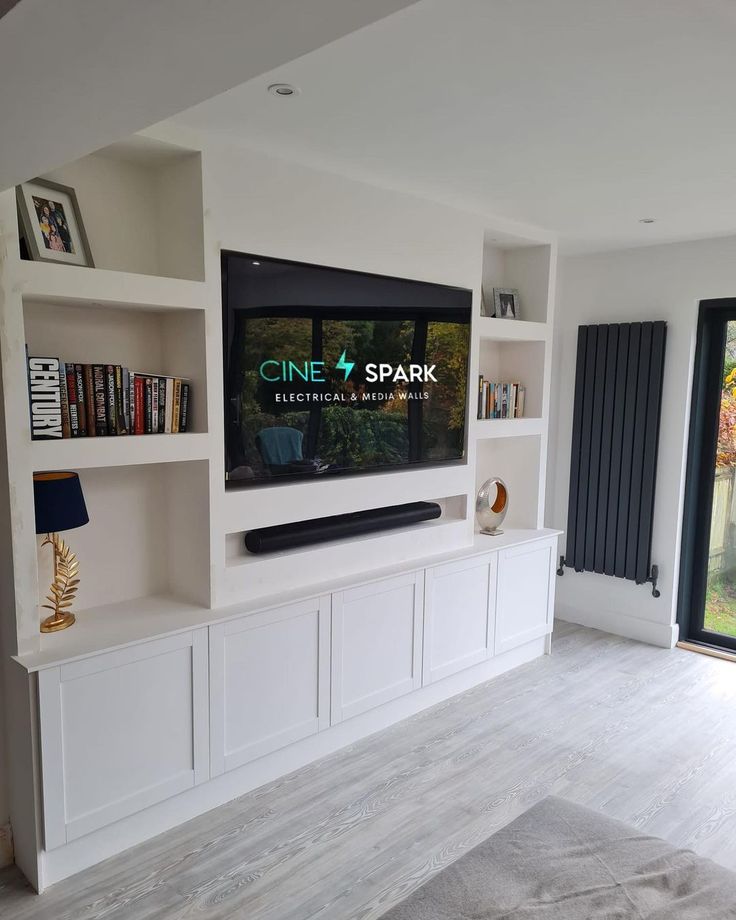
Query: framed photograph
(506, 303)
(52, 223)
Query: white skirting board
(664, 635)
(99, 845)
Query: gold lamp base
(63, 587)
(54, 623)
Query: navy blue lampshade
(59, 502)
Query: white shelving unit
(163, 556)
(517, 350)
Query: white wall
(273, 207)
(653, 283)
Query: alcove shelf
(122, 450)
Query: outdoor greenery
(720, 605)
(720, 600)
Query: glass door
(707, 603)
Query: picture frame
(506, 303)
(52, 224)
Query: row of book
(95, 400)
(500, 400)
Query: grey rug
(560, 861)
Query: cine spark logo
(313, 371)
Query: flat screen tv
(331, 372)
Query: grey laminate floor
(643, 734)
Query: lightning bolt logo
(345, 365)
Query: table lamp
(59, 506)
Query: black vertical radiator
(613, 465)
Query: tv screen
(331, 372)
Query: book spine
(176, 411)
(169, 405)
(161, 417)
(66, 428)
(120, 418)
(154, 405)
(112, 419)
(71, 389)
(184, 407)
(126, 400)
(100, 399)
(131, 398)
(139, 401)
(44, 387)
(149, 406)
(480, 396)
(81, 408)
(89, 401)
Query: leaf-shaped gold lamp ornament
(59, 506)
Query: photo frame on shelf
(51, 223)
(506, 303)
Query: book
(131, 403)
(148, 406)
(120, 418)
(89, 401)
(111, 414)
(71, 390)
(126, 400)
(44, 387)
(139, 412)
(154, 405)
(66, 428)
(176, 409)
(81, 409)
(161, 426)
(99, 399)
(184, 407)
(169, 404)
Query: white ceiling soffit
(580, 116)
(80, 74)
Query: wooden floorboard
(642, 734)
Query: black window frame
(713, 317)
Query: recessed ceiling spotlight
(283, 89)
(647, 220)
(255, 263)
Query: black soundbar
(338, 527)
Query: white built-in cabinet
(525, 595)
(270, 681)
(122, 731)
(125, 729)
(376, 644)
(459, 621)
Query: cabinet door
(376, 644)
(269, 676)
(122, 731)
(525, 599)
(458, 615)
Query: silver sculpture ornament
(491, 506)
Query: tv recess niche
(332, 372)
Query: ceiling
(82, 74)
(580, 116)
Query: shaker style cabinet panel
(121, 731)
(376, 644)
(269, 675)
(459, 615)
(525, 596)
